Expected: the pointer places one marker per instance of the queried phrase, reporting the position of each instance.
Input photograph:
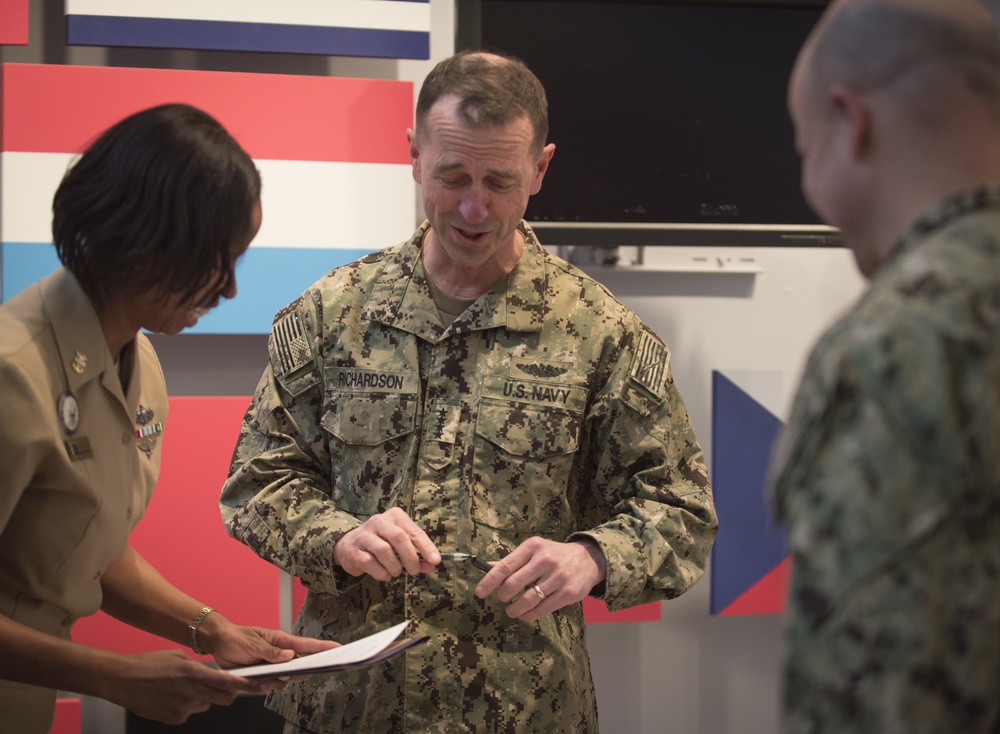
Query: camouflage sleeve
(823, 472)
(877, 415)
(277, 498)
(648, 473)
(875, 483)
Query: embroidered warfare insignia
(649, 366)
(542, 370)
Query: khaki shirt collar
(83, 350)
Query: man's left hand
(541, 576)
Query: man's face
(835, 176)
(814, 141)
(475, 184)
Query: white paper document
(366, 651)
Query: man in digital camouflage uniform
(888, 475)
(466, 391)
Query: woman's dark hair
(156, 203)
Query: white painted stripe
(307, 204)
(377, 14)
(336, 205)
(27, 185)
(773, 389)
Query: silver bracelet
(194, 629)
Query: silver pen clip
(476, 561)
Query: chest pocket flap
(371, 437)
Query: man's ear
(856, 116)
(414, 155)
(541, 166)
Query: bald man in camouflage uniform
(466, 391)
(888, 475)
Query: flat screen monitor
(669, 118)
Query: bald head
(896, 106)
(904, 46)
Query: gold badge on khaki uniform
(147, 432)
(79, 363)
(79, 448)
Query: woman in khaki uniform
(148, 224)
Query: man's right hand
(386, 545)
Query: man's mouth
(469, 235)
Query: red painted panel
(273, 116)
(182, 534)
(767, 596)
(595, 612)
(67, 720)
(14, 22)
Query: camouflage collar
(403, 300)
(972, 200)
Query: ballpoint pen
(476, 561)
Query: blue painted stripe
(749, 544)
(22, 264)
(268, 278)
(95, 30)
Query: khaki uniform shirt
(68, 498)
(888, 478)
(545, 409)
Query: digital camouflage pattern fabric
(888, 478)
(545, 409)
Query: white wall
(693, 673)
(690, 673)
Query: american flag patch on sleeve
(649, 366)
(287, 345)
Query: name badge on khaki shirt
(78, 448)
(68, 409)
